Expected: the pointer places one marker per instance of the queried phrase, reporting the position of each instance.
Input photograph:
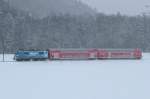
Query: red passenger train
(87, 54)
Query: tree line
(19, 30)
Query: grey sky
(129, 7)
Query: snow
(96, 79)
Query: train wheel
(35, 59)
(26, 59)
(19, 60)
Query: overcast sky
(129, 7)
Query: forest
(20, 30)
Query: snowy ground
(105, 79)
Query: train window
(26, 53)
(41, 53)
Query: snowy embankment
(100, 79)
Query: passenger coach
(72, 54)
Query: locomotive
(27, 55)
(77, 54)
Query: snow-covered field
(100, 79)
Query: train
(77, 54)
